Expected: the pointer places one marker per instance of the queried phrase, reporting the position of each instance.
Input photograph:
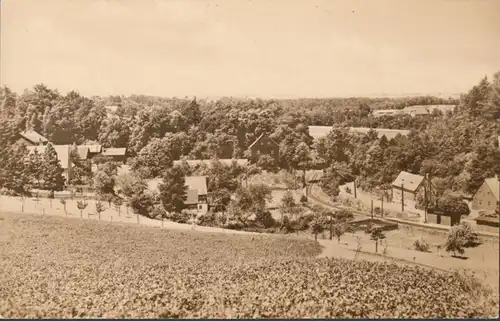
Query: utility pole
(331, 227)
(355, 195)
(425, 199)
(382, 209)
(402, 197)
(372, 209)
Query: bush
(460, 237)
(158, 212)
(303, 199)
(142, 204)
(208, 219)
(348, 190)
(421, 246)
(183, 217)
(265, 219)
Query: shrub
(182, 217)
(157, 212)
(265, 219)
(208, 219)
(421, 246)
(460, 237)
(348, 190)
(303, 199)
(142, 204)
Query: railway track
(327, 204)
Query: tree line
(458, 151)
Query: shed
(408, 184)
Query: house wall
(265, 146)
(408, 195)
(484, 199)
(432, 218)
(442, 219)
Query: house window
(200, 207)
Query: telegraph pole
(402, 197)
(372, 209)
(425, 199)
(355, 195)
(382, 209)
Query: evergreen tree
(35, 168)
(15, 175)
(52, 172)
(173, 190)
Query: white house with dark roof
(409, 184)
(487, 196)
(196, 193)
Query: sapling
(63, 202)
(99, 208)
(81, 206)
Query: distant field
(62, 267)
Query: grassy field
(62, 267)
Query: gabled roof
(417, 110)
(259, 138)
(192, 197)
(317, 132)
(430, 108)
(93, 149)
(389, 133)
(387, 111)
(208, 162)
(492, 184)
(114, 151)
(322, 131)
(83, 152)
(410, 181)
(62, 152)
(198, 183)
(33, 137)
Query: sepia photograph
(180, 159)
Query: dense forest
(458, 149)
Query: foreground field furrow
(56, 267)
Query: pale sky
(266, 48)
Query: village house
(407, 184)
(263, 145)
(318, 132)
(93, 150)
(117, 154)
(414, 111)
(388, 133)
(487, 196)
(387, 112)
(196, 194)
(31, 138)
(417, 110)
